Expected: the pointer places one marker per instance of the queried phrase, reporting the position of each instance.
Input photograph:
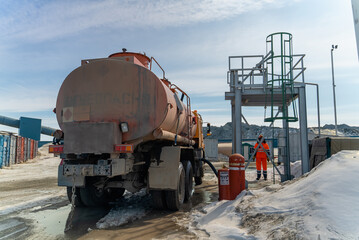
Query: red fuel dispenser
(223, 184)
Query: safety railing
(189, 111)
(163, 71)
(246, 72)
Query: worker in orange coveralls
(261, 157)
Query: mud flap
(163, 174)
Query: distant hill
(344, 129)
(253, 131)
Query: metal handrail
(152, 58)
(251, 74)
(318, 106)
(257, 67)
(299, 60)
(303, 69)
(175, 87)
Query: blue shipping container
(4, 149)
(13, 147)
(1, 150)
(36, 148)
(8, 140)
(25, 149)
(28, 148)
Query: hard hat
(260, 136)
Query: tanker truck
(124, 128)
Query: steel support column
(303, 129)
(233, 126)
(237, 114)
(287, 173)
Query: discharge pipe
(314, 84)
(211, 165)
(15, 123)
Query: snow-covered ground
(30, 184)
(130, 208)
(43, 166)
(323, 204)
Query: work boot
(258, 175)
(265, 175)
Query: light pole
(335, 105)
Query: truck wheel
(158, 199)
(198, 180)
(175, 198)
(188, 180)
(93, 197)
(78, 202)
(115, 194)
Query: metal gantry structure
(270, 81)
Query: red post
(236, 175)
(32, 149)
(223, 184)
(242, 174)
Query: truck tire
(198, 179)
(175, 198)
(158, 199)
(115, 194)
(78, 202)
(93, 197)
(188, 181)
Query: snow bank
(320, 205)
(295, 168)
(219, 220)
(131, 207)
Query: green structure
(280, 81)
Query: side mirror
(209, 129)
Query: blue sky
(41, 42)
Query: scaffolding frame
(248, 87)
